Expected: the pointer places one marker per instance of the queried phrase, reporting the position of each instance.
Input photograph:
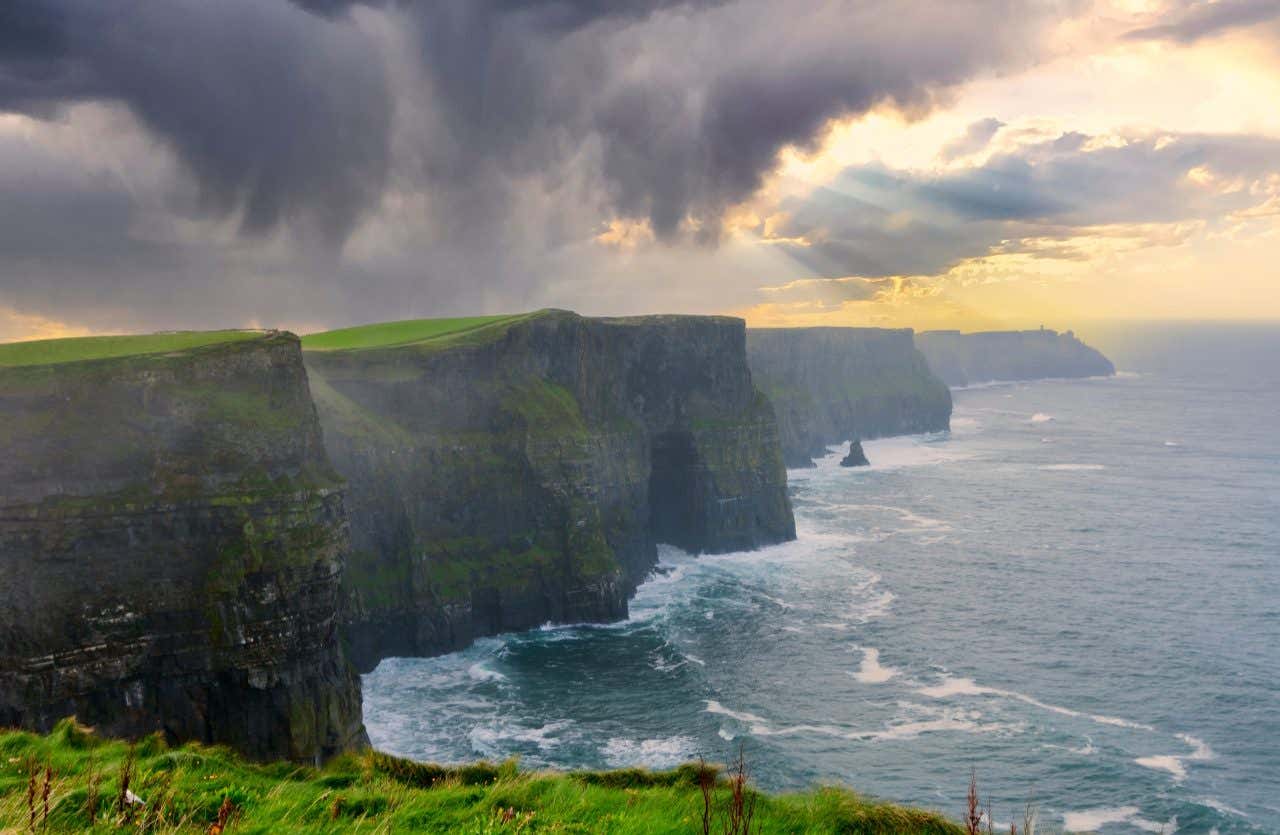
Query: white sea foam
(479, 672)
(1218, 806)
(917, 720)
(1041, 417)
(494, 739)
(915, 520)
(1091, 820)
(872, 671)
(663, 752)
(1074, 467)
(742, 716)
(1172, 443)
(950, 686)
(1177, 764)
(1165, 762)
(911, 451)
(1086, 749)
(877, 607)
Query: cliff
(830, 385)
(969, 358)
(172, 540)
(509, 471)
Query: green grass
(184, 788)
(390, 334)
(78, 349)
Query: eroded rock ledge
(522, 471)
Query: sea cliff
(964, 359)
(830, 385)
(510, 471)
(172, 540)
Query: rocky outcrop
(172, 540)
(830, 385)
(855, 457)
(523, 471)
(963, 359)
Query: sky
(308, 164)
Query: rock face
(829, 385)
(965, 359)
(172, 540)
(855, 457)
(524, 471)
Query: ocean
(1075, 594)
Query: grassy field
(389, 334)
(77, 349)
(72, 781)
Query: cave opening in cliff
(674, 513)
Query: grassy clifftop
(78, 778)
(410, 332)
(80, 349)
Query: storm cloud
(442, 154)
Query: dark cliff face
(965, 359)
(830, 385)
(525, 472)
(172, 540)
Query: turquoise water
(1076, 592)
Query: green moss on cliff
(546, 406)
(79, 349)
(184, 789)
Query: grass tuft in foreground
(72, 781)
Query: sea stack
(856, 457)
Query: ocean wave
(916, 520)
(912, 451)
(872, 671)
(1073, 467)
(494, 739)
(950, 686)
(1091, 820)
(661, 752)
(918, 719)
(479, 672)
(877, 608)
(1177, 764)
(1218, 806)
(1041, 417)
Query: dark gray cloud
(875, 221)
(279, 114)
(394, 156)
(1191, 22)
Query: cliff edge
(964, 359)
(505, 472)
(830, 385)
(172, 540)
